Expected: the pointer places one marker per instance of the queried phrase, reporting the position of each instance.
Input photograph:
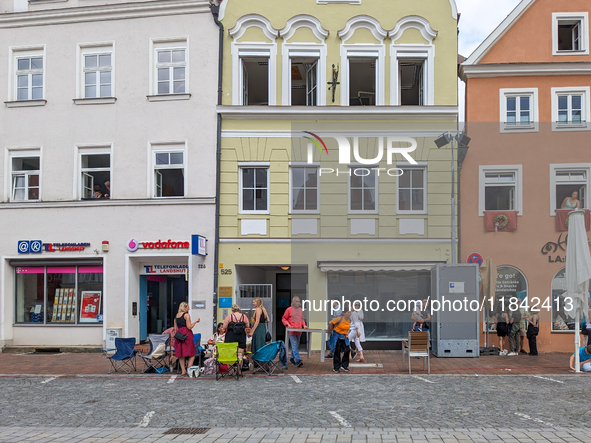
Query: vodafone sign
(133, 245)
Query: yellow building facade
(303, 83)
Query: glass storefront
(65, 295)
(510, 291)
(561, 319)
(385, 288)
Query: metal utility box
(456, 310)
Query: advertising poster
(90, 308)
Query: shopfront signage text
(133, 244)
(37, 246)
(551, 248)
(164, 269)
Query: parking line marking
(527, 417)
(423, 379)
(344, 423)
(296, 378)
(172, 378)
(146, 420)
(48, 380)
(546, 378)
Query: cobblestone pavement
(286, 409)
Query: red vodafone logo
(165, 244)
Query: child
(419, 320)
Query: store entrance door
(160, 297)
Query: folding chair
(124, 358)
(227, 355)
(157, 357)
(417, 345)
(264, 358)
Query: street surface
(320, 408)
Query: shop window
(511, 292)
(412, 190)
(96, 176)
(362, 81)
(363, 191)
(304, 189)
(571, 183)
(254, 189)
(562, 321)
(59, 294)
(304, 81)
(255, 81)
(25, 179)
(169, 174)
(412, 79)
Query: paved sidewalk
(297, 435)
(376, 362)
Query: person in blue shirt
(584, 359)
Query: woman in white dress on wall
(357, 331)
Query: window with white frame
(412, 80)
(412, 190)
(569, 183)
(171, 67)
(500, 188)
(519, 108)
(570, 108)
(411, 83)
(363, 190)
(254, 189)
(363, 76)
(169, 173)
(25, 178)
(97, 72)
(304, 81)
(29, 76)
(570, 33)
(255, 81)
(95, 169)
(305, 189)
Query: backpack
(238, 328)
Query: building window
(363, 77)
(304, 81)
(305, 189)
(412, 190)
(500, 188)
(412, 80)
(255, 81)
(519, 109)
(511, 286)
(170, 73)
(570, 108)
(59, 294)
(363, 190)
(570, 33)
(97, 75)
(362, 81)
(25, 178)
(169, 173)
(254, 189)
(566, 179)
(96, 175)
(29, 77)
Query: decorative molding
(168, 97)
(25, 103)
(524, 69)
(377, 265)
(363, 21)
(95, 101)
(416, 22)
(300, 21)
(346, 2)
(496, 35)
(246, 21)
(338, 112)
(229, 133)
(99, 203)
(454, 9)
(338, 240)
(104, 12)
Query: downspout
(215, 9)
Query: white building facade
(105, 99)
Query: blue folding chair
(264, 358)
(124, 358)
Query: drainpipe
(215, 10)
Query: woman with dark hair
(502, 322)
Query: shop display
(90, 306)
(63, 306)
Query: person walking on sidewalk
(513, 332)
(357, 331)
(294, 318)
(340, 326)
(335, 312)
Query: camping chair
(227, 355)
(157, 359)
(417, 345)
(263, 358)
(124, 358)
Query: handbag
(268, 334)
(179, 336)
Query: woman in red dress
(187, 347)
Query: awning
(377, 265)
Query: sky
(479, 19)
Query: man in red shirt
(294, 318)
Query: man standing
(294, 318)
(339, 326)
(335, 311)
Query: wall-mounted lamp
(285, 268)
